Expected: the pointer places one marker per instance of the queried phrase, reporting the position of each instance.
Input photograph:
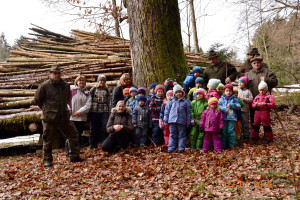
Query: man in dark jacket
(219, 70)
(246, 66)
(255, 76)
(52, 97)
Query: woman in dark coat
(117, 94)
(119, 127)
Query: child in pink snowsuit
(212, 123)
(166, 127)
(212, 88)
(262, 104)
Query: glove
(161, 124)
(158, 109)
(220, 131)
(201, 129)
(192, 122)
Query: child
(178, 116)
(220, 89)
(125, 93)
(131, 96)
(141, 120)
(133, 104)
(151, 92)
(228, 105)
(246, 96)
(211, 124)
(166, 128)
(212, 85)
(198, 105)
(237, 126)
(155, 107)
(262, 104)
(168, 84)
(199, 84)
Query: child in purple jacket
(211, 123)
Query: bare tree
(194, 27)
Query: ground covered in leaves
(258, 171)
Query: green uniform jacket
(197, 108)
(53, 98)
(253, 77)
(219, 72)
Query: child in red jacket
(262, 104)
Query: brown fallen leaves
(250, 170)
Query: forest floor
(249, 171)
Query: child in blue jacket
(228, 105)
(178, 116)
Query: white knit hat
(177, 88)
(101, 77)
(213, 83)
(263, 85)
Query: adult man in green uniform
(52, 97)
(217, 69)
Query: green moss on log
(19, 123)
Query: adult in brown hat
(246, 66)
(218, 69)
(52, 97)
(257, 74)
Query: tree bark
(194, 27)
(156, 43)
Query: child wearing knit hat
(198, 105)
(131, 97)
(220, 89)
(141, 120)
(237, 127)
(168, 84)
(190, 78)
(178, 116)
(212, 88)
(199, 82)
(262, 104)
(165, 128)
(151, 91)
(228, 105)
(155, 107)
(246, 96)
(212, 123)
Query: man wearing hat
(52, 97)
(256, 75)
(246, 66)
(219, 70)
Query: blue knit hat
(152, 85)
(141, 90)
(133, 89)
(141, 98)
(197, 69)
(199, 80)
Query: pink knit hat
(170, 92)
(159, 87)
(200, 90)
(244, 80)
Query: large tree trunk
(193, 19)
(156, 44)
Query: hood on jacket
(127, 110)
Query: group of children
(219, 115)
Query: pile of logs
(83, 53)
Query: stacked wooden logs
(83, 53)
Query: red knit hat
(159, 87)
(125, 91)
(228, 86)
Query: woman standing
(79, 106)
(99, 112)
(119, 127)
(117, 94)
